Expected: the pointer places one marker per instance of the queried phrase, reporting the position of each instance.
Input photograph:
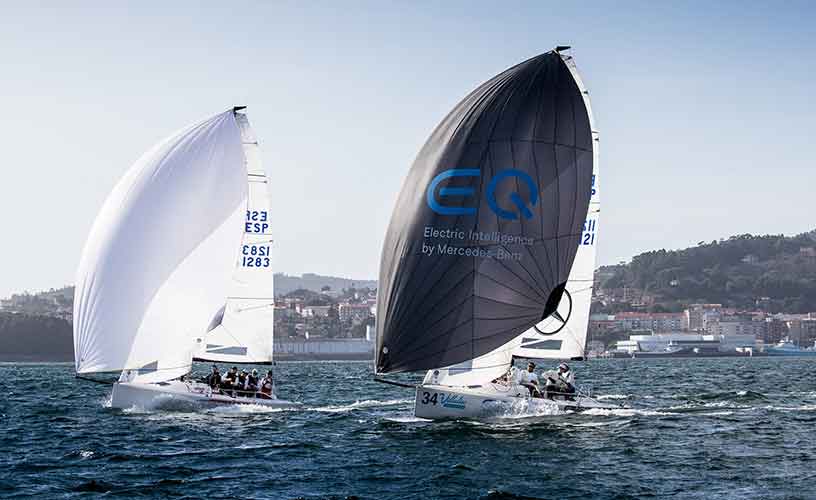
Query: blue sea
(694, 429)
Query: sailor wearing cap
(529, 379)
(565, 374)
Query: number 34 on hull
(444, 402)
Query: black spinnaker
(488, 221)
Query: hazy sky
(705, 112)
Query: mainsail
(241, 329)
(488, 222)
(159, 257)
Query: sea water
(693, 429)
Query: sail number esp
(256, 221)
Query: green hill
(775, 273)
(25, 337)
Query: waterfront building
(658, 322)
(802, 331)
(658, 342)
(694, 316)
(315, 311)
(354, 312)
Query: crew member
(267, 386)
(252, 383)
(230, 381)
(529, 379)
(214, 378)
(242, 380)
(560, 383)
(567, 379)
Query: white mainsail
(241, 330)
(159, 257)
(562, 335)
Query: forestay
(241, 330)
(487, 224)
(160, 254)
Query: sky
(704, 113)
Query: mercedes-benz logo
(556, 321)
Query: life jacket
(266, 386)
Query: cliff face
(25, 337)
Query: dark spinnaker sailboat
(486, 228)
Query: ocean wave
(246, 409)
(624, 412)
(526, 408)
(612, 396)
(407, 419)
(806, 407)
(368, 403)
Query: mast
(241, 330)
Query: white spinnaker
(159, 255)
(241, 330)
(562, 335)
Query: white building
(660, 341)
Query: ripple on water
(738, 433)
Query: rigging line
(252, 308)
(151, 370)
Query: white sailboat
(486, 382)
(490, 383)
(177, 266)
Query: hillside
(315, 282)
(25, 337)
(774, 273)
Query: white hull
(177, 393)
(443, 402)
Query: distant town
(735, 296)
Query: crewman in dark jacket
(242, 380)
(252, 383)
(230, 381)
(214, 378)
